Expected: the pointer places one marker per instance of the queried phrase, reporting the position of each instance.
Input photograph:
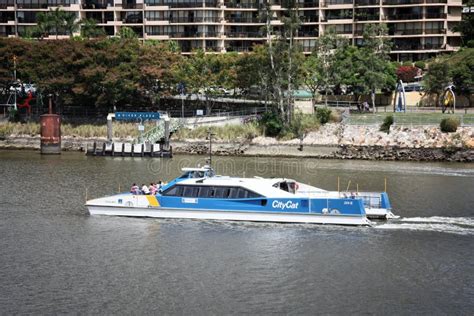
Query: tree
(291, 24)
(313, 75)
(253, 70)
(70, 23)
(462, 72)
(466, 26)
(127, 33)
(437, 78)
(202, 73)
(284, 55)
(44, 24)
(89, 29)
(328, 50)
(56, 22)
(373, 67)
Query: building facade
(418, 28)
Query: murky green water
(55, 258)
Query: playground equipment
(400, 104)
(448, 102)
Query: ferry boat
(200, 194)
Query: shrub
(449, 125)
(387, 122)
(407, 73)
(323, 115)
(271, 123)
(420, 64)
(407, 63)
(335, 117)
(300, 126)
(14, 115)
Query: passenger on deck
(145, 190)
(159, 185)
(152, 189)
(135, 189)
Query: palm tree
(89, 29)
(70, 23)
(44, 24)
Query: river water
(55, 258)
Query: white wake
(452, 225)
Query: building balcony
(132, 21)
(439, 31)
(343, 32)
(307, 33)
(7, 20)
(130, 5)
(186, 34)
(32, 5)
(396, 17)
(186, 4)
(415, 46)
(309, 18)
(402, 2)
(337, 18)
(43, 4)
(29, 19)
(327, 3)
(405, 32)
(435, 15)
(190, 19)
(239, 49)
(243, 34)
(216, 49)
(360, 3)
(101, 20)
(251, 5)
(242, 20)
(372, 17)
(309, 4)
(7, 3)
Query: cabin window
(210, 192)
(233, 194)
(221, 192)
(176, 190)
(204, 192)
(242, 193)
(190, 191)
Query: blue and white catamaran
(200, 194)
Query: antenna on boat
(209, 137)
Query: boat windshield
(196, 174)
(287, 186)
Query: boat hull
(230, 215)
(380, 213)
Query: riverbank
(421, 143)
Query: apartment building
(418, 28)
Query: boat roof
(261, 186)
(205, 168)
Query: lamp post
(14, 80)
(209, 137)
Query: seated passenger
(145, 190)
(134, 189)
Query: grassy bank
(121, 130)
(225, 133)
(407, 118)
